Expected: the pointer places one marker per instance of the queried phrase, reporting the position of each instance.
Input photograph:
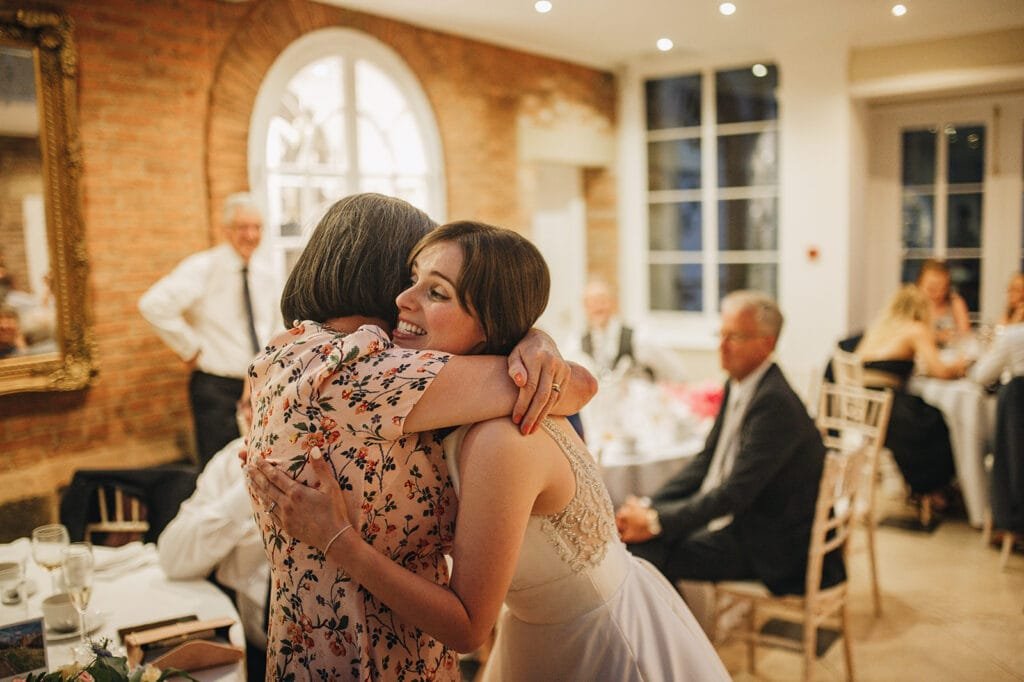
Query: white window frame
(681, 328)
(351, 45)
(1002, 212)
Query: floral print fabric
(348, 394)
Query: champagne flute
(48, 543)
(78, 567)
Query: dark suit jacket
(771, 491)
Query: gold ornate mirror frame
(48, 34)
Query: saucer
(94, 620)
(30, 589)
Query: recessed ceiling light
(899, 10)
(665, 44)
(727, 8)
(542, 6)
(759, 70)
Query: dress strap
(582, 531)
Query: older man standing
(215, 310)
(743, 508)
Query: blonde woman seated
(918, 437)
(1014, 313)
(535, 526)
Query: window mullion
(709, 193)
(941, 191)
(348, 86)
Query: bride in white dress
(535, 528)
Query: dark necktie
(248, 310)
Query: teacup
(10, 582)
(59, 614)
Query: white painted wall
(559, 231)
(816, 121)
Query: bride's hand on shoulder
(311, 513)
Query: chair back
(120, 502)
(841, 479)
(847, 368)
(119, 514)
(851, 416)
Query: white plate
(94, 620)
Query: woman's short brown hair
(504, 280)
(356, 260)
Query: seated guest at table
(743, 508)
(949, 316)
(1014, 313)
(12, 341)
(608, 346)
(900, 338)
(1005, 355)
(214, 531)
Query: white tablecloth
(628, 469)
(131, 592)
(970, 416)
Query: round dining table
(970, 416)
(129, 589)
(633, 467)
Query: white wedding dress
(581, 607)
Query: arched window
(339, 112)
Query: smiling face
(243, 232)
(429, 313)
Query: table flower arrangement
(106, 667)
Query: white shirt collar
(744, 388)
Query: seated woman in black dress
(917, 436)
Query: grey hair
(239, 201)
(765, 309)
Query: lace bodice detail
(582, 531)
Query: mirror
(45, 333)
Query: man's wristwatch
(653, 520)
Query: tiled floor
(949, 613)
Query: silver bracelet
(336, 536)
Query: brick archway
(265, 32)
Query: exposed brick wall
(602, 224)
(166, 89)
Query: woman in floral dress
(335, 384)
(536, 527)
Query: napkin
(116, 560)
(15, 551)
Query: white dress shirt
(728, 445)
(605, 348)
(199, 307)
(1006, 353)
(214, 529)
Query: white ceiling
(608, 33)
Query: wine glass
(48, 543)
(78, 567)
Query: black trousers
(213, 400)
(702, 555)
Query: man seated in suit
(743, 508)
